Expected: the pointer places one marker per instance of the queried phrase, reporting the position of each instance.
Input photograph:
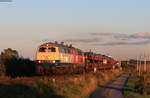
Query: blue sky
(24, 24)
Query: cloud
(5, 0)
(141, 38)
(103, 33)
(118, 36)
(125, 43)
(110, 39)
(90, 40)
(123, 36)
(145, 35)
(141, 35)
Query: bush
(5, 55)
(13, 65)
(19, 67)
(2, 69)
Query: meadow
(136, 88)
(65, 87)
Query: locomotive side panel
(65, 55)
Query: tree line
(13, 65)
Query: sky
(119, 28)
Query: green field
(133, 89)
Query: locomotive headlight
(39, 61)
(54, 61)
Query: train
(54, 57)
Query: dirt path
(113, 89)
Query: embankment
(57, 87)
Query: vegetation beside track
(62, 87)
(14, 65)
(134, 87)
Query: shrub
(13, 65)
(19, 67)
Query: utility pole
(145, 67)
(137, 66)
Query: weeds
(134, 88)
(76, 87)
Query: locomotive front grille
(48, 61)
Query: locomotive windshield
(52, 49)
(42, 49)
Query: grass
(25, 91)
(78, 87)
(17, 90)
(83, 86)
(133, 89)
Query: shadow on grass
(114, 88)
(24, 91)
(128, 89)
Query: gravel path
(113, 89)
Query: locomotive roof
(58, 45)
(63, 45)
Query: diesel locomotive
(58, 57)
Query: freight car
(60, 58)
(98, 61)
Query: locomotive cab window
(52, 49)
(42, 49)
